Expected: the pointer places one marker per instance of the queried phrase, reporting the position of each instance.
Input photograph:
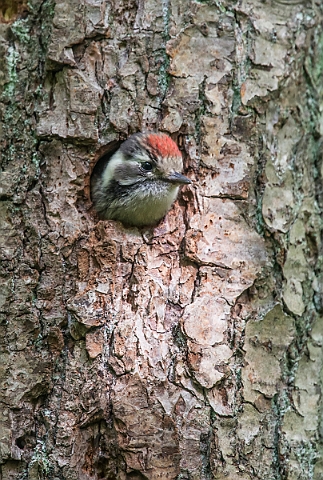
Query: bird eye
(147, 166)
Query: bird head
(138, 184)
(146, 157)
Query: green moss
(48, 11)
(21, 29)
(312, 118)
(23, 67)
(306, 455)
(12, 60)
(163, 76)
(40, 459)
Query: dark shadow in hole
(20, 442)
(101, 163)
(28, 440)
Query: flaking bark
(192, 350)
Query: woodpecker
(140, 181)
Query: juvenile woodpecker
(140, 181)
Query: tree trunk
(192, 350)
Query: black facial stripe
(115, 190)
(124, 190)
(133, 147)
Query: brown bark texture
(188, 351)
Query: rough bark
(192, 350)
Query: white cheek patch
(116, 160)
(130, 180)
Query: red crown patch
(163, 145)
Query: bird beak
(178, 178)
